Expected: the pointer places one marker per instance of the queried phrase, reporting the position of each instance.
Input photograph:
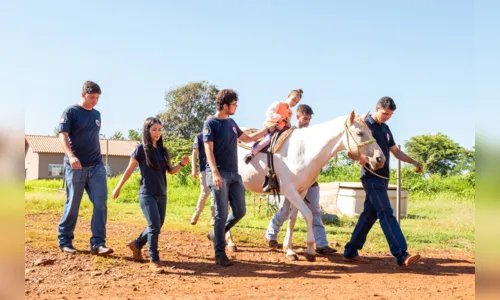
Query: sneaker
(248, 158)
(101, 250)
(136, 252)
(155, 267)
(410, 259)
(210, 236)
(223, 261)
(194, 218)
(69, 250)
(273, 244)
(325, 250)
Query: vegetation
(187, 109)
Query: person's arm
(404, 157)
(130, 169)
(174, 169)
(194, 158)
(73, 160)
(246, 138)
(209, 151)
(271, 112)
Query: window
(56, 170)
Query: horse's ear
(363, 117)
(351, 117)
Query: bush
(130, 190)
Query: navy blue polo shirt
(83, 128)
(202, 157)
(224, 133)
(153, 182)
(383, 136)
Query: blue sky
(345, 55)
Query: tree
(467, 161)
(187, 109)
(117, 135)
(438, 153)
(135, 134)
(56, 131)
(178, 147)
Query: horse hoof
(292, 257)
(232, 248)
(310, 257)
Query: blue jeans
(93, 180)
(377, 205)
(284, 212)
(232, 191)
(154, 209)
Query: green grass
(431, 225)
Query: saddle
(271, 182)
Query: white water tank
(347, 198)
(351, 197)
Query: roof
(51, 144)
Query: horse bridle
(358, 145)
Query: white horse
(300, 159)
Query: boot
(248, 158)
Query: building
(44, 156)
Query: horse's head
(358, 139)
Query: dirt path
(258, 273)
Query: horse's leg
(287, 243)
(297, 201)
(230, 243)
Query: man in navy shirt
(83, 170)
(220, 135)
(377, 203)
(199, 152)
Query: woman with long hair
(154, 161)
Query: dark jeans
(93, 180)
(154, 209)
(377, 205)
(232, 192)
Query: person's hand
(217, 180)
(116, 193)
(185, 160)
(75, 163)
(194, 173)
(419, 167)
